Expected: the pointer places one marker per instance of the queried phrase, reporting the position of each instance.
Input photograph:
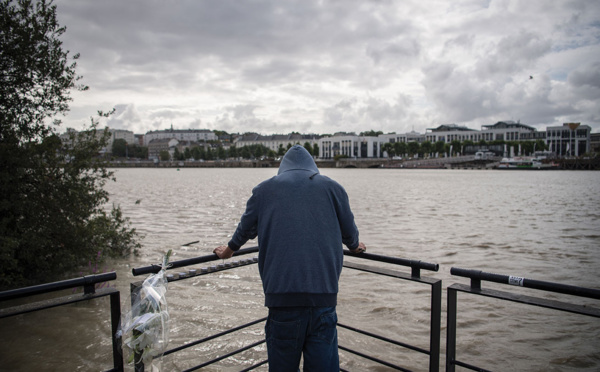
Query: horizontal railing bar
(382, 338)
(217, 335)
(373, 359)
(528, 300)
(84, 281)
(390, 273)
(54, 302)
(153, 269)
(395, 260)
(527, 283)
(225, 356)
(255, 366)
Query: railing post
(435, 331)
(451, 330)
(135, 294)
(115, 318)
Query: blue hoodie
(302, 219)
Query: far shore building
(195, 135)
(155, 147)
(501, 131)
(350, 145)
(275, 141)
(570, 139)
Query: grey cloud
(395, 50)
(588, 75)
(515, 53)
(271, 65)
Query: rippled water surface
(539, 225)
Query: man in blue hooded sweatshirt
(301, 219)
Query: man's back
(301, 219)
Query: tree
(371, 133)
(245, 153)
(426, 148)
(52, 201)
(413, 147)
(455, 146)
(233, 152)
(389, 149)
(164, 155)
(177, 155)
(119, 148)
(401, 148)
(439, 147)
(221, 153)
(308, 147)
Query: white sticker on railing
(515, 280)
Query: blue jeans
(309, 331)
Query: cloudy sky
(327, 66)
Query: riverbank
(459, 162)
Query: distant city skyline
(324, 67)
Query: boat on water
(526, 163)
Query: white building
(501, 131)
(350, 145)
(126, 135)
(195, 135)
(570, 139)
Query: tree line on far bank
(456, 147)
(211, 151)
(215, 151)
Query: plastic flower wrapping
(145, 329)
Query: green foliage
(389, 148)
(164, 155)
(439, 147)
(371, 133)
(340, 156)
(401, 148)
(119, 148)
(413, 148)
(53, 218)
(426, 148)
(308, 148)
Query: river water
(538, 225)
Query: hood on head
(298, 158)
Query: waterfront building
(350, 145)
(275, 141)
(156, 146)
(406, 137)
(450, 132)
(123, 134)
(115, 134)
(501, 131)
(570, 139)
(196, 135)
(595, 142)
(510, 131)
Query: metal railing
(89, 293)
(415, 276)
(477, 277)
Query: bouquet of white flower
(145, 329)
